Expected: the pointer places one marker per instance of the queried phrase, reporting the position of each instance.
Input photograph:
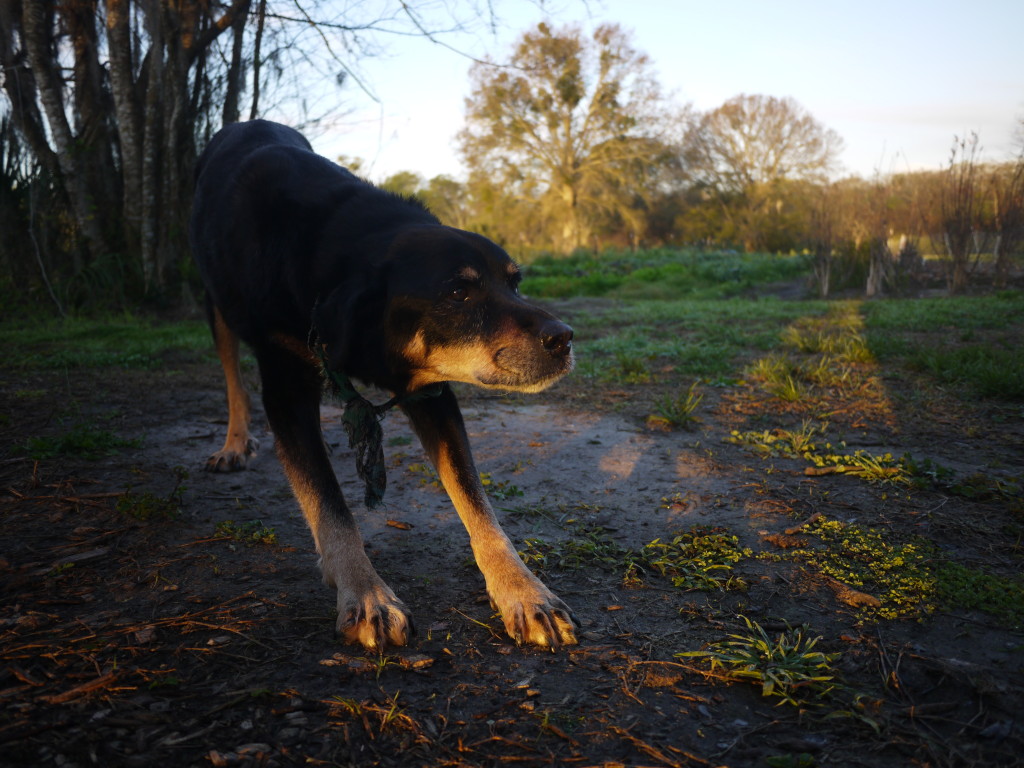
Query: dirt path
(139, 629)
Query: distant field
(659, 274)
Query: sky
(896, 79)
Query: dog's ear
(344, 318)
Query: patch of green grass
(700, 559)
(81, 440)
(659, 274)
(988, 369)
(969, 588)
(948, 316)
(700, 339)
(249, 533)
(787, 667)
(589, 546)
(969, 342)
(909, 579)
(499, 489)
(787, 443)
(122, 342)
(676, 410)
(146, 506)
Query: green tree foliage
(575, 127)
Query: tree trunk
(129, 118)
(37, 24)
(152, 142)
(234, 85)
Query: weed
(81, 440)
(677, 410)
(881, 470)
(788, 667)
(249, 533)
(910, 578)
(426, 474)
(590, 545)
(499, 489)
(630, 369)
(700, 559)
(146, 506)
(779, 377)
(899, 575)
(797, 443)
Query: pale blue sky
(897, 80)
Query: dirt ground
(136, 632)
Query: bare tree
(113, 97)
(745, 151)
(1008, 216)
(965, 235)
(754, 140)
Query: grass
(146, 506)
(909, 579)
(119, 342)
(660, 274)
(701, 558)
(633, 342)
(787, 667)
(250, 533)
(676, 409)
(970, 343)
(81, 440)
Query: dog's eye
(460, 294)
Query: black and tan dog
(313, 267)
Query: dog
(322, 274)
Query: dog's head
(449, 309)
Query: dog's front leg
(530, 611)
(369, 613)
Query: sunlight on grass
(787, 667)
(701, 558)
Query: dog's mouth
(520, 365)
(527, 370)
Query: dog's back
(274, 225)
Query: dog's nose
(556, 338)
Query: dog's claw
(231, 459)
(538, 619)
(376, 625)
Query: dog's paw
(533, 614)
(377, 619)
(232, 457)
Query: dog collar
(361, 420)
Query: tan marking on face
(468, 273)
